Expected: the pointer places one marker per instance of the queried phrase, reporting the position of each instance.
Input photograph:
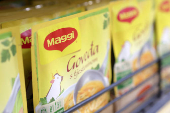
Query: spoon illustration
(92, 75)
(11, 102)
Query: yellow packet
(163, 37)
(12, 82)
(25, 38)
(71, 57)
(133, 46)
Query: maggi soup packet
(163, 37)
(12, 82)
(133, 45)
(71, 61)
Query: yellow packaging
(12, 82)
(133, 46)
(163, 37)
(25, 38)
(163, 26)
(71, 57)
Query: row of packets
(71, 57)
(24, 27)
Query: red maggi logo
(128, 14)
(165, 6)
(26, 39)
(60, 39)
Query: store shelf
(135, 100)
(159, 104)
(146, 105)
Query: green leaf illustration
(106, 15)
(5, 55)
(13, 49)
(61, 92)
(96, 68)
(6, 43)
(52, 100)
(43, 101)
(105, 24)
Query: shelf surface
(162, 105)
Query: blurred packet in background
(163, 37)
(13, 95)
(133, 46)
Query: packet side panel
(34, 74)
(21, 68)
